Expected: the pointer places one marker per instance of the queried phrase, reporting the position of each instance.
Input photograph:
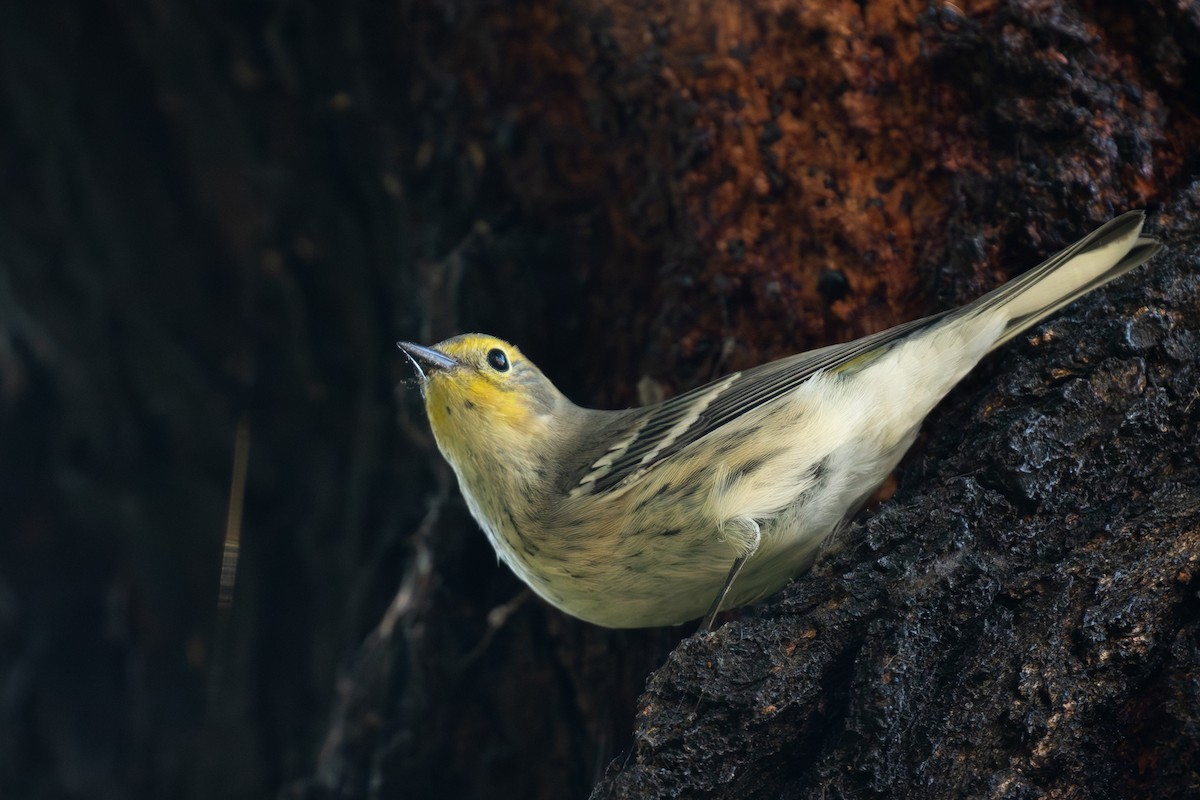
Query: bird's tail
(1107, 253)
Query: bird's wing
(665, 429)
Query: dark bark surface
(1021, 620)
(218, 218)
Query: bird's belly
(671, 575)
(662, 559)
(673, 578)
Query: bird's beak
(426, 357)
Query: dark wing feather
(654, 433)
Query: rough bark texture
(216, 219)
(1021, 620)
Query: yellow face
(475, 385)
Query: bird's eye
(497, 360)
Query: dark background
(219, 217)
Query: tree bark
(217, 220)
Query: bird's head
(482, 392)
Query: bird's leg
(746, 533)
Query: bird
(715, 498)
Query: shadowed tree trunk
(217, 220)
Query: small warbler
(717, 497)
